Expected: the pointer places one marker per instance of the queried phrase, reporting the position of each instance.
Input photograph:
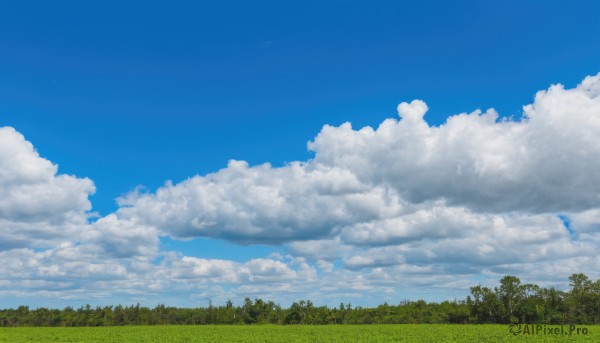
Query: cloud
(38, 206)
(403, 206)
(367, 184)
(122, 238)
(484, 242)
(586, 221)
(544, 162)
(30, 187)
(257, 270)
(260, 204)
(325, 249)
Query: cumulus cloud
(122, 238)
(485, 241)
(257, 270)
(324, 249)
(260, 204)
(586, 221)
(545, 162)
(477, 193)
(366, 184)
(38, 206)
(71, 271)
(405, 204)
(48, 245)
(30, 188)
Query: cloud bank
(37, 206)
(375, 210)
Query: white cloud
(258, 270)
(38, 207)
(545, 162)
(122, 238)
(404, 205)
(30, 188)
(484, 242)
(326, 249)
(586, 221)
(260, 204)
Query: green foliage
(288, 333)
(513, 302)
(510, 302)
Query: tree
(582, 305)
(511, 295)
(486, 305)
(510, 301)
(532, 309)
(294, 315)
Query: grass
(288, 334)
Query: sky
(338, 151)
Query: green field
(288, 334)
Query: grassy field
(289, 334)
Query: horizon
(337, 152)
(401, 302)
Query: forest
(509, 302)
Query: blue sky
(133, 94)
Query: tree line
(509, 302)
